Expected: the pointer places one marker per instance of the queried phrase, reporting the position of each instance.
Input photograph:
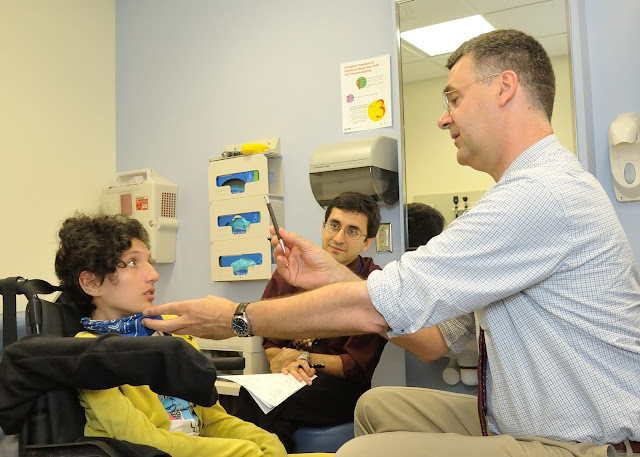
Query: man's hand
(283, 358)
(305, 264)
(300, 370)
(208, 317)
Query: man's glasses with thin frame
(350, 232)
(445, 96)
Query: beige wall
(431, 166)
(57, 123)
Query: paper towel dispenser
(366, 165)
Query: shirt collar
(530, 155)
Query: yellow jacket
(135, 414)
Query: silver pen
(275, 222)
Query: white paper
(268, 390)
(366, 94)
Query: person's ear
(508, 86)
(90, 283)
(367, 244)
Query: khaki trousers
(409, 421)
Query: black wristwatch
(240, 323)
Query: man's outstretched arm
(335, 310)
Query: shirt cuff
(378, 290)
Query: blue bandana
(127, 326)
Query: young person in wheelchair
(103, 263)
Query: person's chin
(462, 157)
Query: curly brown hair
(94, 244)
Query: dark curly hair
(94, 244)
(423, 222)
(355, 202)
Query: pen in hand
(275, 222)
(314, 365)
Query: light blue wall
(194, 76)
(609, 47)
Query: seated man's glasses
(350, 232)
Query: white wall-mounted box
(224, 251)
(245, 176)
(253, 209)
(151, 199)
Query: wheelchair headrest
(52, 318)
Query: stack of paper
(268, 390)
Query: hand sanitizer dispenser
(624, 156)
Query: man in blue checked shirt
(541, 261)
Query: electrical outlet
(383, 238)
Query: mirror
(432, 173)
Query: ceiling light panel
(447, 36)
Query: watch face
(240, 326)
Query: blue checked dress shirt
(543, 263)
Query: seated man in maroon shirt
(350, 226)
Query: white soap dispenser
(624, 156)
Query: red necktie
(482, 382)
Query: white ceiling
(543, 19)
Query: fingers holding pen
(279, 243)
(301, 370)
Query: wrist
(342, 273)
(304, 356)
(240, 324)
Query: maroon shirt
(360, 354)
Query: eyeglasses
(350, 232)
(452, 102)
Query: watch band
(240, 322)
(242, 307)
(304, 356)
